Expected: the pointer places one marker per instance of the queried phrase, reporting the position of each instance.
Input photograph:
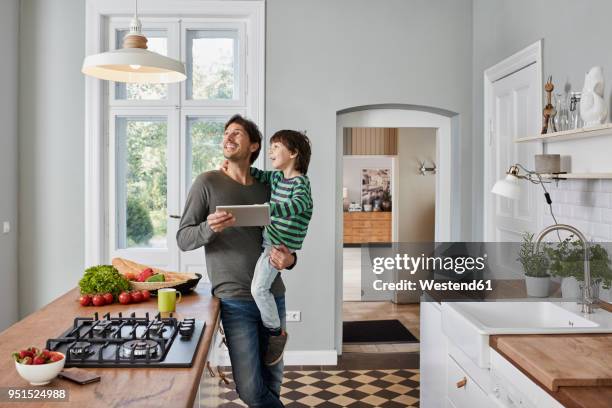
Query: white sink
(469, 324)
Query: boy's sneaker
(276, 348)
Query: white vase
(537, 286)
(570, 288)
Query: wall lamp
(509, 186)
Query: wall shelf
(574, 134)
(577, 176)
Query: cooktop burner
(130, 341)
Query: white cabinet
(444, 364)
(433, 355)
(462, 390)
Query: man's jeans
(257, 384)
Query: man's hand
(220, 220)
(281, 257)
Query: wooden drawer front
(469, 395)
(371, 216)
(364, 227)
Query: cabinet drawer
(462, 390)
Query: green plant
(535, 264)
(139, 225)
(568, 261)
(103, 279)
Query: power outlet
(294, 316)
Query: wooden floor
(407, 314)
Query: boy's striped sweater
(290, 207)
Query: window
(145, 144)
(213, 64)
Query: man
(231, 255)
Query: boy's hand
(220, 220)
(281, 257)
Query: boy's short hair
(295, 142)
(251, 129)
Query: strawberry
(27, 360)
(56, 357)
(25, 353)
(39, 360)
(45, 354)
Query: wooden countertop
(549, 360)
(119, 387)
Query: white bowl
(40, 374)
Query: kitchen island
(119, 387)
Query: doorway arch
(448, 189)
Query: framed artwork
(376, 189)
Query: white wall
(325, 56)
(576, 37)
(51, 123)
(351, 173)
(9, 49)
(417, 193)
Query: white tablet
(256, 215)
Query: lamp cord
(529, 176)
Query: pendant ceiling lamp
(134, 63)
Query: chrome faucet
(587, 297)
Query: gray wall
(576, 37)
(9, 49)
(324, 56)
(417, 193)
(51, 145)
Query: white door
(160, 137)
(515, 111)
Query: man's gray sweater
(231, 255)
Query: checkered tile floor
(329, 389)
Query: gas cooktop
(130, 341)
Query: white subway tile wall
(585, 204)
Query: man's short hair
(251, 129)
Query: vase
(386, 205)
(537, 286)
(570, 288)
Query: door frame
(448, 175)
(96, 131)
(529, 55)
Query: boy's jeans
(263, 277)
(257, 384)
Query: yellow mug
(166, 300)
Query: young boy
(290, 213)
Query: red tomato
(146, 295)
(85, 300)
(125, 298)
(98, 300)
(108, 298)
(136, 297)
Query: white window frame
(97, 98)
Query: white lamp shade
(134, 65)
(507, 187)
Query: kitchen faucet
(587, 297)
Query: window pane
(157, 42)
(141, 182)
(212, 64)
(204, 151)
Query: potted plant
(535, 265)
(567, 262)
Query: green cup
(166, 300)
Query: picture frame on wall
(376, 189)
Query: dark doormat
(376, 331)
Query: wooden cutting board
(565, 360)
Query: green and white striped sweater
(290, 207)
